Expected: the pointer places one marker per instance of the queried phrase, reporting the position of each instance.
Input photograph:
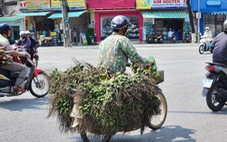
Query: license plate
(207, 83)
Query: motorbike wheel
(214, 102)
(85, 138)
(156, 121)
(40, 86)
(201, 49)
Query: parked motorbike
(174, 38)
(187, 38)
(47, 41)
(158, 39)
(149, 39)
(154, 38)
(204, 45)
(215, 86)
(36, 81)
(93, 39)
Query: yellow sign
(143, 4)
(73, 4)
(40, 4)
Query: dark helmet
(225, 26)
(4, 28)
(119, 22)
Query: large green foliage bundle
(108, 103)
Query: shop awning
(220, 12)
(164, 14)
(33, 14)
(9, 19)
(70, 14)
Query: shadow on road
(223, 111)
(19, 104)
(168, 133)
(165, 134)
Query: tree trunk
(193, 35)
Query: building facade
(103, 12)
(213, 14)
(161, 16)
(147, 16)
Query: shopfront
(105, 18)
(35, 13)
(213, 14)
(16, 23)
(214, 21)
(161, 16)
(103, 12)
(43, 18)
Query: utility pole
(65, 23)
(198, 36)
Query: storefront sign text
(31, 4)
(143, 4)
(168, 4)
(73, 4)
(153, 4)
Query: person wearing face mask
(117, 49)
(5, 33)
(24, 42)
(34, 44)
(208, 34)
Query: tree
(191, 21)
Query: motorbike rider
(24, 42)
(219, 46)
(208, 34)
(34, 44)
(114, 53)
(5, 32)
(116, 49)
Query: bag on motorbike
(4, 57)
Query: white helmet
(207, 28)
(27, 32)
(22, 33)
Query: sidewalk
(135, 43)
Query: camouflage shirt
(115, 51)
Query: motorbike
(174, 38)
(187, 38)
(47, 41)
(35, 52)
(215, 86)
(149, 39)
(204, 45)
(93, 39)
(154, 38)
(36, 81)
(153, 122)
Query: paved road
(24, 118)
